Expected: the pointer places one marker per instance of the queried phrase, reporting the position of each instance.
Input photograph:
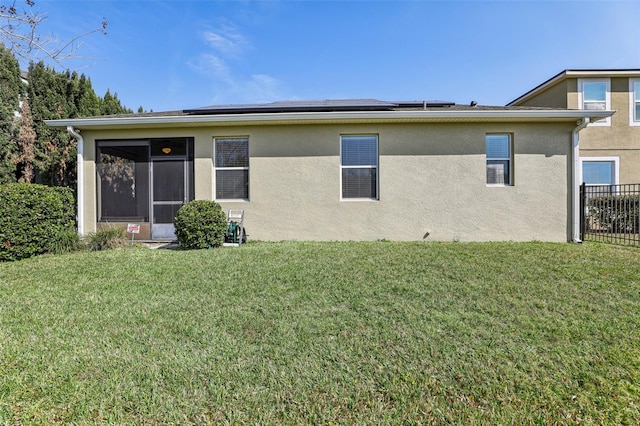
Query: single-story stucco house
(339, 170)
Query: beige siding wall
(553, 97)
(431, 177)
(620, 139)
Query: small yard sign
(133, 228)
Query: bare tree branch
(19, 33)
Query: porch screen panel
(168, 181)
(123, 182)
(165, 213)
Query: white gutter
(333, 116)
(577, 177)
(80, 177)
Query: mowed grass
(324, 333)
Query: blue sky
(166, 55)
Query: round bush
(200, 224)
(34, 219)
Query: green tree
(56, 95)
(54, 150)
(11, 89)
(26, 146)
(30, 150)
(87, 103)
(111, 105)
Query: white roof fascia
(602, 73)
(320, 117)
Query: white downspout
(577, 177)
(80, 177)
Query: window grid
(499, 158)
(359, 167)
(231, 168)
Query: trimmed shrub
(67, 242)
(34, 219)
(200, 224)
(110, 237)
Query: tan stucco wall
(628, 161)
(553, 97)
(618, 140)
(431, 177)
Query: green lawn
(318, 333)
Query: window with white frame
(600, 170)
(634, 101)
(359, 166)
(231, 164)
(499, 153)
(595, 94)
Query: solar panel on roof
(315, 106)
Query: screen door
(169, 194)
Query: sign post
(133, 229)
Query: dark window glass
(359, 183)
(359, 151)
(232, 152)
(232, 184)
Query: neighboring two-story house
(609, 148)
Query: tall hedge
(10, 90)
(33, 219)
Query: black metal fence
(610, 213)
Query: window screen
(231, 161)
(359, 164)
(499, 159)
